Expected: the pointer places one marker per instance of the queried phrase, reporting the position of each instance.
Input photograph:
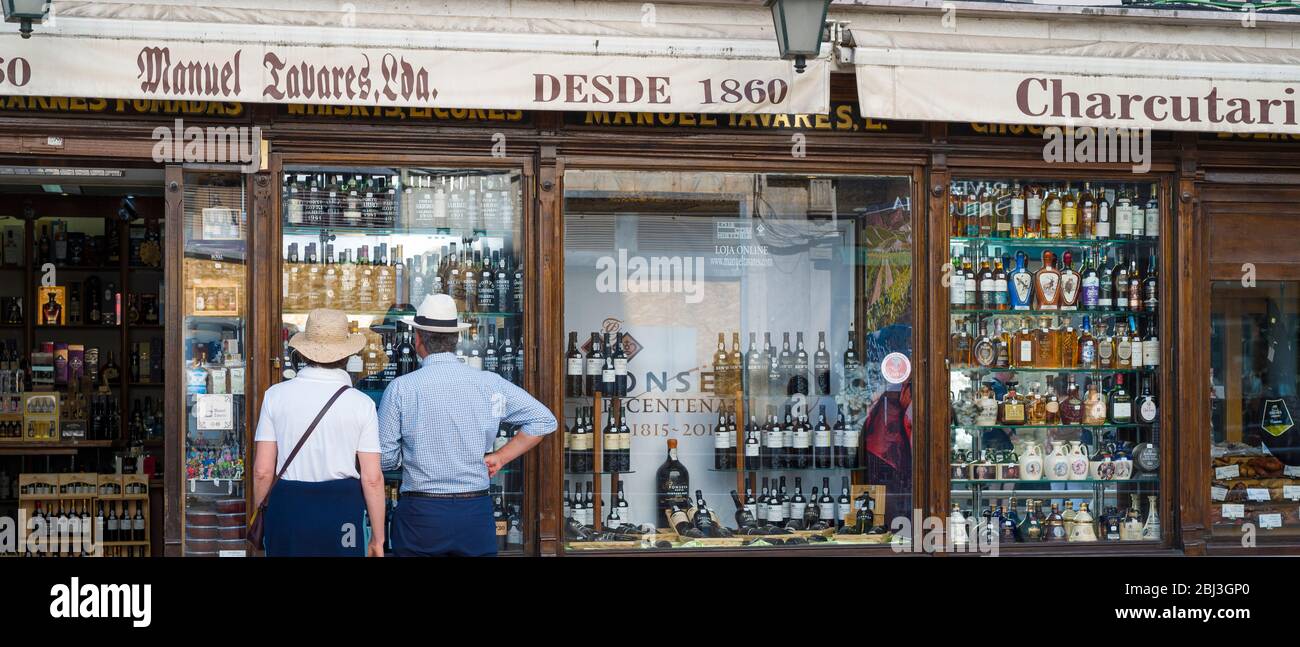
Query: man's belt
(454, 495)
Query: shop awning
(513, 59)
(1164, 83)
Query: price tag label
(1271, 520)
(1218, 493)
(1233, 511)
(1257, 494)
(1227, 472)
(1291, 492)
(1291, 470)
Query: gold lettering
(802, 121)
(622, 119)
(822, 122)
(708, 120)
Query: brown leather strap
(305, 436)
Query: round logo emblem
(896, 368)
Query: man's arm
(390, 429)
(519, 408)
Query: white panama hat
(437, 313)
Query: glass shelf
(958, 312)
(793, 469)
(1101, 426)
(1053, 242)
(388, 230)
(1053, 481)
(602, 472)
(1063, 371)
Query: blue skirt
(325, 519)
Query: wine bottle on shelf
(624, 508)
(801, 445)
(703, 519)
(744, 510)
(822, 366)
(775, 367)
(672, 479)
(826, 504)
(798, 504)
(720, 444)
(756, 365)
(761, 512)
(595, 365)
(785, 504)
(619, 358)
(753, 448)
(822, 452)
(721, 369)
(608, 374)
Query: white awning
(452, 54)
(1172, 80)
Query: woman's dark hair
(341, 364)
(438, 342)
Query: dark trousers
(444, 527)
(325, 519)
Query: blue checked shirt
(438, 422)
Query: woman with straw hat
(316, 461)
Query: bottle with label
(1023, 350)
(1087, 212)
(1053, 207)
(1069, 214)
(721, 372)
(821, 364)
(1151, 527)
(987, 286)
(1139, 223)
(1152, 212)
(595, 365)
(1120, 404)
(1070, 284)
(984, 351)
(1047, 284)
(1001, 296)
(1046, 348)
(1145, 409)
(575, 375)
(1131, 528)
(1010, 211)
(756, 366)
(1011, 411)
(1033, 212)
(961, 348)
(1123, 214)
(1094, 405)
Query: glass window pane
(374, 242)
(1255, 449)
(724, 362)
(215, 314)
(1054, 361)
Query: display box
(877, 494)
(76, 362)
(53, 300)
(109, 486)
(38, 486)
(135, 486)
(78, 485)
(41, 416)
(60, 363)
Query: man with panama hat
(329, 474)
(438, 424)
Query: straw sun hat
(325, 338)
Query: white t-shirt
(350, 426)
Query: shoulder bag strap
(305, 436)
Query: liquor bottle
(775, 376)
(957, 288)
(1051, 403)
(1070, 284)
(1094, 405)
(608, 374)
(972, 291)
(1151, 527)
(672, 481)
(1152, 212)
(1123, 214)
(575, 375)
(826, 504)
(595, 365)
(1123, 347)
(517, 284)
(1067, 346)
(112, 526)
(753, 448)
(1119, 284)
(1022, 347)
(1105, 288)
(1087, 212)
(619, 359)
(1151, 346)
(1146, 411)
(798, 380)
(1054, 526)
(844, 504)
(1138, 225)
(784, 504)
(1001, 346)
(745, 510)
(1000, 207)
(961, 347)
(720, 445)
(1101, 229)
(822, 365)
(1001, 298)
(986, 210)
(801, 444)
(851, 450)
(1069, 214)
(736, 365)
(721, 373)
(1047, 284)
(1120, 404)
(1033, 212)
(1134, 287)
(986, 284)
(1072, 405)
(1053, 207)
(624, 508)
(1089, 284)
(1036, 405)
(1105, 347)
(756, 366)
(1150, 287)
(1111, 524)
(1017, 211)
(1087, 346)
(1020, 285)
(1046, 347)
(984, 352)
(797, 504)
